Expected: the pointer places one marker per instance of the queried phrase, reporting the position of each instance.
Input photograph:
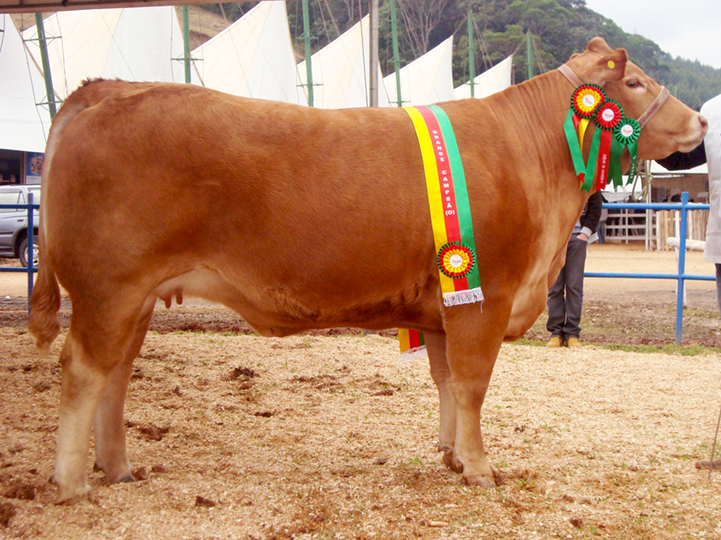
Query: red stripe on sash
(445, 178)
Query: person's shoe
(554, 342)
(573, 342)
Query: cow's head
(674, 127)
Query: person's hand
(583, 237)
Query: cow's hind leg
(96, 344)
(441, 374)
(110, 450)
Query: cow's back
(311, 217)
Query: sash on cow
(450, 216)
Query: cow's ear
(612, 66)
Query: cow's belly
(528, 304)
(278, 313)
(213, 286)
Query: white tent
(253, 57)
(659, 170)
(23, 124)
(135, 44)
(428, 79)
(489, 82)
(340, 72)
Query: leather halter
(648, 113)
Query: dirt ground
(332, 436)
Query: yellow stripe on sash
(434, 189)
(404, 339)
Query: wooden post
(373, 68)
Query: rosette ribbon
(625, 135)
(613, 134)
(607, 117)
(584, 102)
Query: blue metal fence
(30, 270)
(680, 276)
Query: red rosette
(609, 114)
(456, 260)
(586, 99)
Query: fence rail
(681, 276)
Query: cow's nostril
(704, 122)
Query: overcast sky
(690, 29)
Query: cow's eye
(632, 83)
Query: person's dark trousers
(565, 299)
(718, 285)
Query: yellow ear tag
(611, 64)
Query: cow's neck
(536, 118)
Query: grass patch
(682, 350)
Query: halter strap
(570, 75)
(654, 107)
(645, 117)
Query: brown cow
(301, 218)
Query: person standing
(565, 298)
(709, 151)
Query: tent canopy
(132, 44)
(340, 71)
(253, 57)
(489, 82)
(37, 6)
(660, 170)
(428, 79)
(24, 125)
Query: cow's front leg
(441, 374)
(472, 344)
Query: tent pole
(471, 59)
(186, 43)
(529, 55)
(396, 56)
(306, 40)
(373, 68)
(47, 75)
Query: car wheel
(23, 252)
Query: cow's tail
(45, 300)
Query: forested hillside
(558, 28)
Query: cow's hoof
(482, 480)
(68, 497)
(121, 475)
(450, 460)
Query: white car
(14, 223)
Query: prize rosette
(586, 99)
(625, 135)
(456, 260)
(627, 131)
(609, 114)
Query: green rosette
(625, 135)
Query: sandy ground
(240, 437)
